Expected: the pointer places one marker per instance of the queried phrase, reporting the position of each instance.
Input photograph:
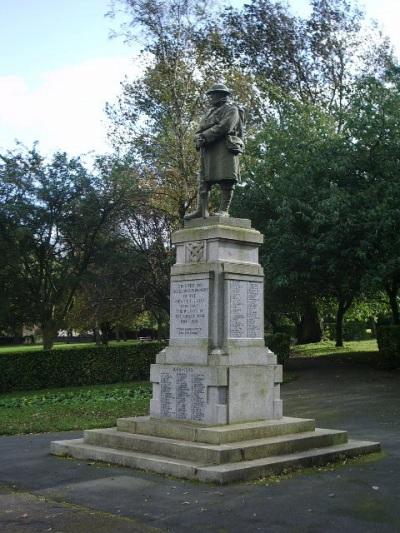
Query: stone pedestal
(216, 413)
(216, 369)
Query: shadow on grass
(325, 348)
(354, 352)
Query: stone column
(216, 368)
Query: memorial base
(217, 454)
(216, 368)
(216, 412)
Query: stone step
(273, 465)
(244, 470)
(78, 449)
(214, 434)
(204, 453)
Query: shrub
(77, 366)
(288, 329)
(279, 343)
(388, 338)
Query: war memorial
(216, 414)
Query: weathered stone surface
(252, 393)
(196, 393)
(218, 464)
(189, 309)
(217, 321)
(214, 220)
(228, 433)
(258, 468)
(224, 232)
(205, 453)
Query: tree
(53, 213)
(307, 188)
(309, 200)
(374, 127)
(314, 60)
(155, 116)
(107, 299)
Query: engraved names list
(183, 393)
(245, 309)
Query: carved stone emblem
(195, 251)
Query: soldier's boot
(226, 198)
(202, 205)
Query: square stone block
(252, 392)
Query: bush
(288, 329)
(388, 338)
(4, 341)
(77, 366)
(279, 343)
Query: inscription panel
(245, 309)
(189, 309)
(183, 393)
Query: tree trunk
(49, 333)
(309, 328)
(394, 306)
(106, 330)
(343, 306)
(339, 325)
(159, 327)
(273, 322)
(96, 335)
(373, 328)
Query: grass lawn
(57, 346)
(355, 351)
(72, 408)
(318, 349)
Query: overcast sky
(58, 68)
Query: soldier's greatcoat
(221, 127)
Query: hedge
(279, 343)
(388, 338)
(77, 366)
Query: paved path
(39, 492)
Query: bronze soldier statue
(219, 139)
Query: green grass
(57, 346)
(72, 408)
(365, 352)
(319, 349)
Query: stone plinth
(217, 454)
(217, 369)
(216, 413)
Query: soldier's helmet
(219, 88)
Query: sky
(58, 68)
